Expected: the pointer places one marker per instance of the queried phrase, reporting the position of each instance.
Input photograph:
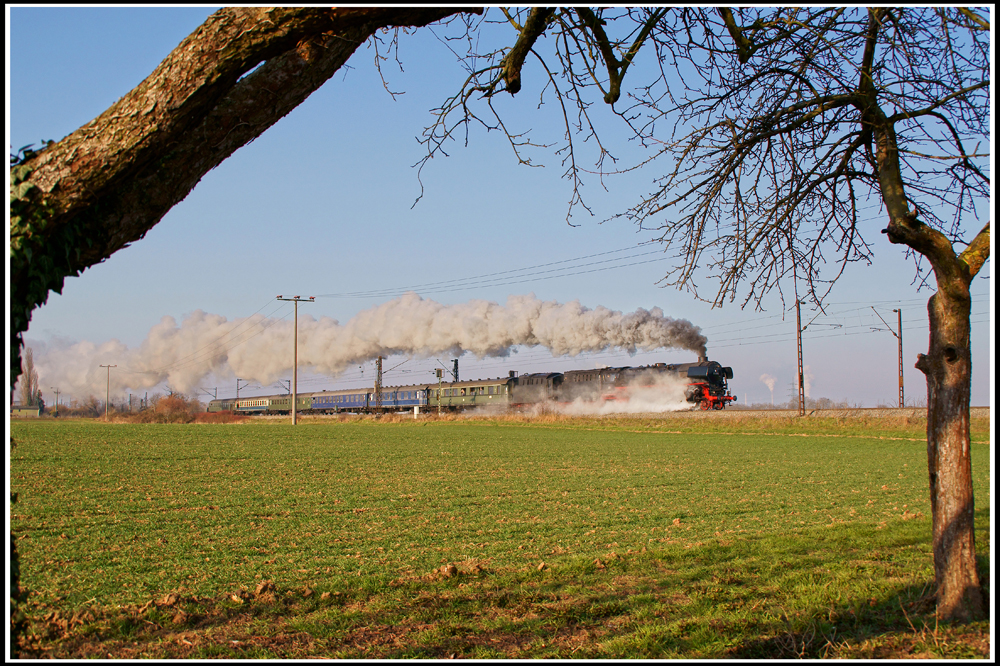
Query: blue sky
(322, 203)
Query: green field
(590, 538)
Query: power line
(493, 279)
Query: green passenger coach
(468, 394)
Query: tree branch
(978, 251)
(534, 26)
(744, 47)
(104, 186)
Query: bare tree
(28, 385)
(782, 134)
(775, 154)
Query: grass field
(485, 538)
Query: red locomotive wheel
(705, 405)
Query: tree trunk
(947, 365)
(948, 368)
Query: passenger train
(705, 387)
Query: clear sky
(322, 204)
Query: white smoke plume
(769, 383)
(666, 394)
(260, 349)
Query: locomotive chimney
(703, 359)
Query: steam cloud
(259, 349)
(769, 383)
(665, 394)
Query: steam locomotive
(703, 383)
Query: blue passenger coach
(352, 400)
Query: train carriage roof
(545, 375)
(465, 383)
(388, 388)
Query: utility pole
(56, 412)
(378, 385)
(899, 338)
(440, 374)
(798, 335)
(214, 393)
(246, 383)
(295, 348)
(107, 395)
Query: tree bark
(78, 201)
(948, 368)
